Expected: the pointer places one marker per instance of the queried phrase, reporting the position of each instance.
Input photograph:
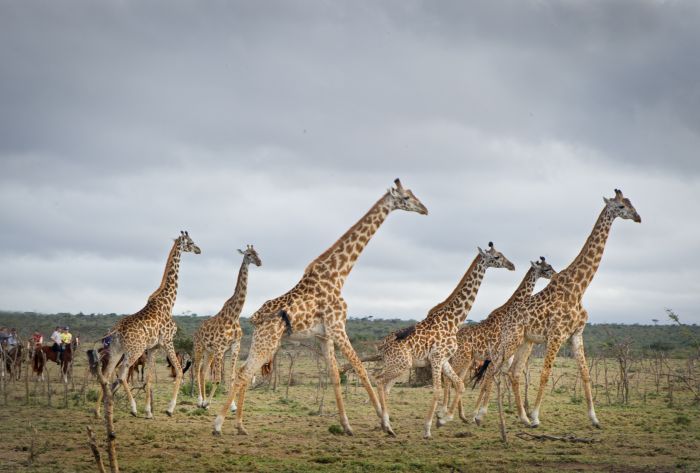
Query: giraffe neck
(579, 274)
(340, 258)
(456, 307)
(524, 290)
(167, 291)
(233, 306)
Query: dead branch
(564, 438)
(95, 451)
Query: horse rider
(56, 339)
(12, 339)
(37, 339)
(66, 338)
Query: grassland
(289, 434)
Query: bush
(335, 429)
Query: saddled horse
(47, 353)
(13, 361)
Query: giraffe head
(186, 244)
(495, 259)
(620, 206)
(543, 269)
(403, 199)
(250, 256)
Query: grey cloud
(280, 123)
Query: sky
(279, 124)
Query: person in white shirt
(56, 339)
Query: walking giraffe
(221, 332)
(555, 314)
(315, 307)
(473, 341)
(150, 327)
(433, 340)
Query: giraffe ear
(533, 264)
(241, 251)
(481, 252)
(606, 200)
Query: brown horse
(47, 353)
(13, 361)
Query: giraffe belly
(535, 338)
(316, 329)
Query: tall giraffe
(150, 327)
(473, 340)
(434, 339)
(315, 307)
(555, 314)
(221, 332)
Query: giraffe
(473, 340)
(150, 327)
(315, 307)
(221, 332)
(433, 340)
(555, 314)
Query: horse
(13, 362)
(46, 353)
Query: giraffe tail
(480, 373)
(287, 321)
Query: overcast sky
(280, 123)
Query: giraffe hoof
(133, 413)
(478, 421)
(216, 433)
(349, 433)
(242, 431)
(533, 425)
(597, 426)
(170, 414)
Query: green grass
(287, 435)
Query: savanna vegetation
(646, 384)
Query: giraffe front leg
(340, 337)
(170, 351)
(123, 372)
(332, 365)
(436, 365)
(482, 402)
(235, 348)
(459, 388)
(245, 374)
(552, 350)
(217, 362)
(516, 368)
(149, 370)
(577, 342)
